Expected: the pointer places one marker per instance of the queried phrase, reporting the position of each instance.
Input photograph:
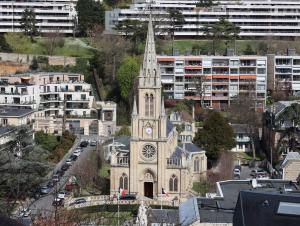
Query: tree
(127, 72)
(124, 131)
(4, 47)
(18, 42)
(90, 13)
(205, 3)
(243, 111)
(249, 50)
(54, 39)
(176, 20)
(216, 136)
(28, 22)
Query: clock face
(149, 152)
(148, 130)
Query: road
(43, 206)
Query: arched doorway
(148, 184)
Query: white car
(69, 161)
(61, 195)
(77, 152)
(25, 212)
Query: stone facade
(155, 160)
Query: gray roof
(169, 216)
(125, 140)
(239, 128)
(5, 130)
(169, 126)
(281, 105)
(14, 112)
(260, 209)
(188, 212)
(188, 148)
(290, 156)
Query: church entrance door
(148, 189)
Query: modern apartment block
(221, 77)
(51, 15)
(284, 72)
(58, 100)
(256, 18)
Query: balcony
(174, 163)
(122, 161)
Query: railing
(174, 163)
(123, 161)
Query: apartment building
(284, 72)
(217, 78)
(59, 100)
(51, 15)
(256, 18)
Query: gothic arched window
(173, 183)
(124, 181)
(197, 165)
(146, 105)
(151, 105)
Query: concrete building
(291, 167)
(256, 18)
(284, 72)
(51, 15)
(219, 78)
(155, 161)
(58, 100)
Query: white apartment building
(59, 100)
(256, 18)
(284, 72)
(221, 78)
(51, 15)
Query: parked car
(73, 157)
(55, 178)
(77, 152)
(25, 212)
(128, 197)
(44, 190)
(236, 172)
(61, 194)
(238, 167)
(65, 167)
(84, 144)
(50, 184)
(58, 202)
(60, 173)
(79, 201)
(69, 161)
(93, 143)
(255, 171)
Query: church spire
(150, 74)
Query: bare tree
(53, 40)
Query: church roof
(169, 126)
(189, 148)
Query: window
(124, 181)
(151, 105)
(289, 208)
(173, 183)
(240, 146)
(146, 105)
(196, 165)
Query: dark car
(44, 190)
(50, 184)
(65, 167)
(128, 197)
(73, 157)
(60, 173)
(84, 144)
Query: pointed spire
(163, 111)
(134, 111)
(150, 70)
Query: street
(43, 206)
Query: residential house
(242, 138)
(291, 167)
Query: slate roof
(281, 105)
(169, 126)
(290, 156)
(4, 130)
(260, 209)
(189, 148)
(125, 140)
(169, 216)
(188, 212)
(14, 112)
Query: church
(152, 159)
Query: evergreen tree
(89, 13)
(216, 136)
(28, 22)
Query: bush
(124, 131)
(46, 141)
